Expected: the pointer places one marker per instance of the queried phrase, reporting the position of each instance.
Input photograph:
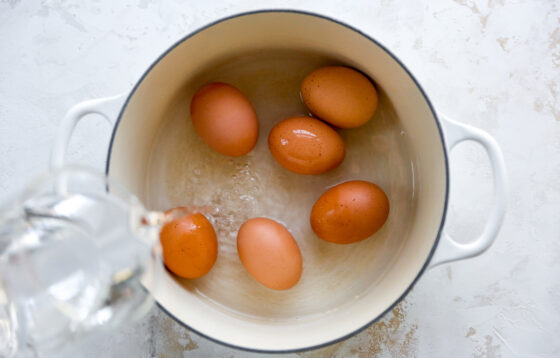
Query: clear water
(184, 171)
(71, 263)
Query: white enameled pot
(139, 116)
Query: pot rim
(408, 72)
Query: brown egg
(349, 212)
(189, 244)
(305, 145)
(269, 253)
(225, 119)
(339, 95)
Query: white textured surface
(493, 64)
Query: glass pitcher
(77, 253)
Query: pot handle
(448, 249)
(108, 107)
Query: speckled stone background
(494, 64)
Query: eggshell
(269, 253)
(225, 119)
(190, 246)
(349, 212)
(339, 95)
(305, 145)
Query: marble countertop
(494, 64)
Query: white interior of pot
(343, 287)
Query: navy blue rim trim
(442, 143)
